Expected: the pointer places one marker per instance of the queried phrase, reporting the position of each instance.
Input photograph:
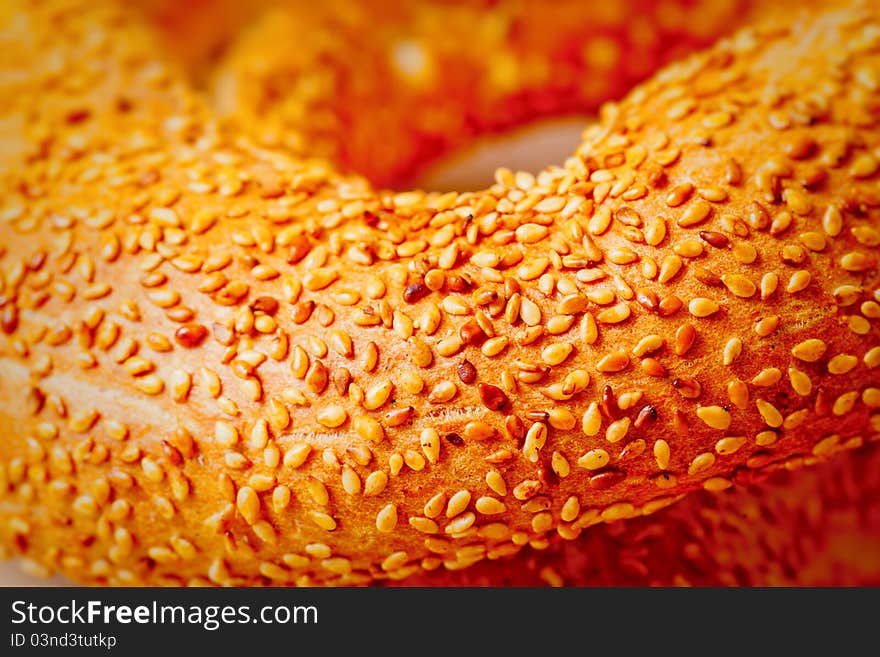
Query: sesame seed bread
(437, 74)
(222, 363)
(816, 526)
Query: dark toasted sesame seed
(302, 311)
(190, 335)
(656, 177)
(172, 453)
(609, 405)
(607, 479)
(471, 333)
(706, 276)
(647, 415)
(36, 261)
(36, 400)
(9, 319)
(680, 422)
(515, 428)
(299, 249)
(822, 405)
(493, 397)
(547, 477)
(341, 380)
(414, 292)
(454, 439)
(714, 238)
(687, 387)
(458, 283)
(669, 305)
(399, 416)
(466, 372)
(265, 304)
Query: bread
(807, 527)
(429, 77)
(223, 364)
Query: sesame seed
(375, 483)
(442, 392)
(714, 238)
(687, 387)
(732, 350)
(531, 233)
(248, 504)
(414, 460)
(701, 462)
(492, 397)
(535, 439)
(798, 281)
(377, 395)
(770, 413)
(600, 221)
(739, 285)
(461, 523)
(716, 417)
(560, 465)
(738, 392)
(555, 354)
(614, 314)
(614, 362)
(332, 416)
(842, 364)
(423, 525)
(702, 307)
(617, 430)
(455, 439)
(696, 213)
(661, 453)
(594, 459)
(745, 253)
(386, 519)
(592, 420)
(810, 350)
(767, 325)
(323, 520)
(648, 345)
(844, 403)
(685, 337)
(800, 382)
(296, 455)
(653, 367)
(466, 372)
(458, 503)
(619, 511)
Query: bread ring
(811, 527)
(435, 75)
(225, 364)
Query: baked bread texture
(809, 527)
(224, 363)
(428, 77)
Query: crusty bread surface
(222, 363)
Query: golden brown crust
(224, 364)
(808, 527)
(435, 75)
